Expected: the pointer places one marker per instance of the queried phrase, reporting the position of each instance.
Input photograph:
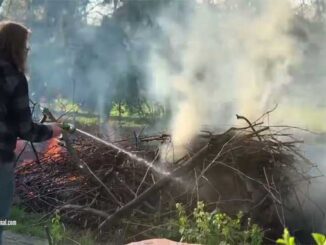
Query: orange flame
(53, 149)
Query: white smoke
(221, 62)
(224, 62)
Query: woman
(15, 114)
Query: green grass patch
(32, 224)
(128, 116)
(89, 121)
(309, 117)
(28, 223)
(77, 237)
(61, 104)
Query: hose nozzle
(69, 127)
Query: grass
(306, 116)
(88, 121)
(123, 113)
(32, 224)
(115, 121)
(83, 238)
(27, 223)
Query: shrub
(216, 228)
(287, 239)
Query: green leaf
(320, 239)
(287, 239)
(292, 241)
(280, 241)
(286, 235)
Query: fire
(49, 149)
(53, 149)
(73, 178)
(47, 152)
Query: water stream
(128, 153)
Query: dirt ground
(10, 238)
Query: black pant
(6, 192)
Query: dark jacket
(15, 113)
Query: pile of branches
(104, 178)
(92, 185)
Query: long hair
(13, 42)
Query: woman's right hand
(56, 129)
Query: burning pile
(55, 180)
(246, 169)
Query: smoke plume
(224, 62)
(219, 62)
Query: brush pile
(53, 179)
(248, 169)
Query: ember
(26, 154)
(53, 148)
